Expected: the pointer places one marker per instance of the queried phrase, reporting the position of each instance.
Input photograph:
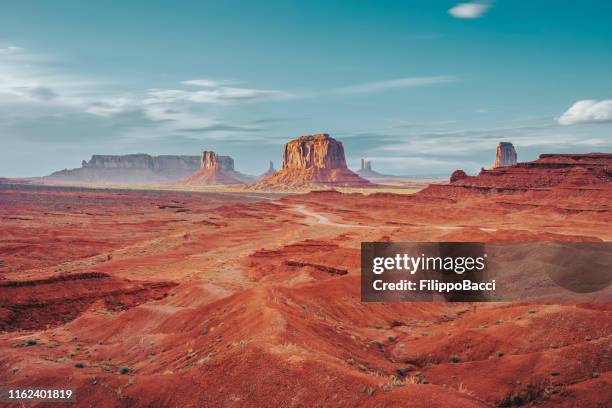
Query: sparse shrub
(531, 311)
(555, 373)
(350, 361)
(500, 354)
(79, 365)
(124, 370)
(498, 322)
(31, 342)
(454, 359)
(550, 391)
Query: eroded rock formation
(366, 171)
(564, 173)
(313, 161)
(129, 169)
(505, 155)
(271, 170)
(214, 170)
(458, 175)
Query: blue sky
(418, 87)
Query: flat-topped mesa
(129, 169)
(314, 151)
(505, 155)
(573, 174)
(313, 161)
(214, 170)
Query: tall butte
(505, 155)
(313, 161)
(213, 171)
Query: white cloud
(587, 111)
(468, 10)
(378, 86)
(208, 83)
(213, 95)
(10, 50)
(110, 106)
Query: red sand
(235, 300)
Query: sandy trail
(321, 219)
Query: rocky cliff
(129, 169)
(313, 161)
(505, 155)
(588, 173)
(214, 170)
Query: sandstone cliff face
(129, 169)
(570, 173)
(505, 155)
(313, 161)
(314, 151)
(214, 170)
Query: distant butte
(368, 173)
(505, 155)
(271, 170)
(313, 161)
(214, 170)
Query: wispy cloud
(469, 10)
(221, 94)
(379, 86)
(587, 111)
(209, 83)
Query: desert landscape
(251, 298)
(305, 204)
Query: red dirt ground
(254, 300)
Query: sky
(420, 88)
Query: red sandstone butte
(313, 161)
(505, 155)
(212, 171)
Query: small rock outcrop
(271, 170)
(313, 161)
(214, 170)
(129, 169)
(458, 175)
(505, 155)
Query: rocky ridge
(589, 173)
